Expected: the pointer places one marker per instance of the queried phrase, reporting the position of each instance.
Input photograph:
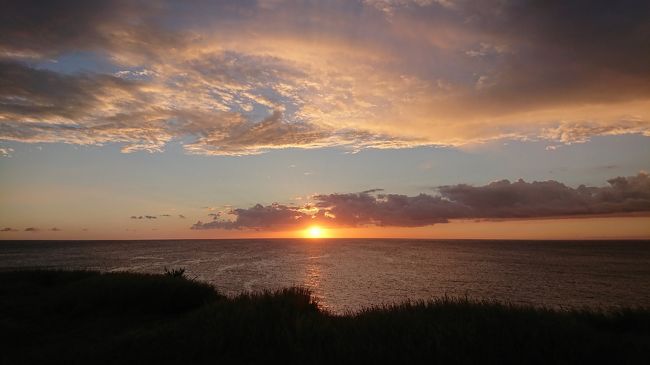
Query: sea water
(349, 274)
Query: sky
(500, 119)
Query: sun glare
(315, 232)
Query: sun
(314, 232)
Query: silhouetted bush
(175, 273)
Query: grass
(84, 317)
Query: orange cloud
(243, 78)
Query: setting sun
(315, 232)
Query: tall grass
(86, 317)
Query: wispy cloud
(500, 199)
(6, 151)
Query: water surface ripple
(347, 274)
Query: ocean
(349, 274)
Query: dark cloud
(144, 217)
(560, 52)
(181, 216)
(370, 191)
(594, 33)
(260, 217)
(38, 28)
(504, 199)
(54, 229)
(387, 209)
(31, 229)
(501, 199)
(46, 26)
(47, 96)
(8, 229)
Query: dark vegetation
(85, 317)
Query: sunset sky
(375, 118)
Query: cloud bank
(500, 199)
(243, 77)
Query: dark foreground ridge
(86, 317)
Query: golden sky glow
(552, 228)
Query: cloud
(500, 199)
(44, 106)
(144, 217)
(359, 209)
(32, 229)
(259, 217)
(505, 199)
(8, 229)
(576, 133)
(6, 151)
(35, 28)
(270, 133)
(30, 94)
(237, 78)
